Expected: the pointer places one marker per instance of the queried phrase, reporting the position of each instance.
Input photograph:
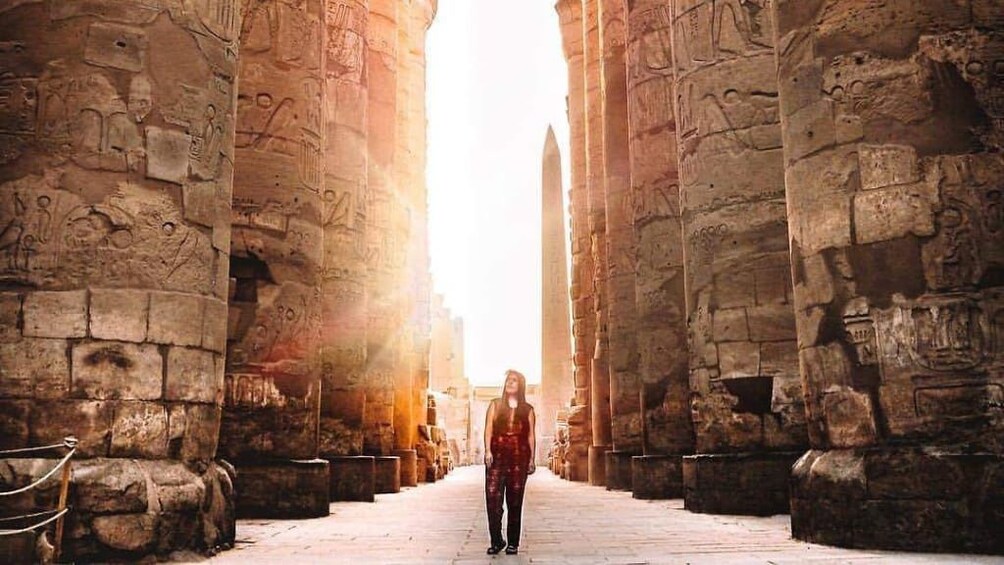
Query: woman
(510, 444)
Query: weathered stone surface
(10, 317)
(283, 489)
(139, 429)
(387, 475)
(110, 486)
(618, 470)
(751, 484)
(353, 479)
(112, 370)
(134, 533)
(192, 376)
(173, 316)
(409, 466)
(87, 420)
(119, 315)
(34, 368)
(657, 477)
(55, 314)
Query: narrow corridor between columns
(564, 522)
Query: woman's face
(511, 384)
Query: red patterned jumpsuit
(506, 478)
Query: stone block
(850, 418)
(887, 165)
(730, 325)
(110, 486)
(89, 421)
(167, 154)
(779, 359)
(192, 376)
(56, 314)
(409, 466)
(34, 368)
(119, 314)
(890, 213)
(734, 289)
(810, 129)
(139, 429)
(113, 370)
(353, 479)
(214, 331)
(10, 317)
(283, 489)
(739, 359)
(177, 489)
(387, 475)
(15, 416)
(202, 432)
(753, 484)
(135, 533)
(618, 470)
(773, 286)
(774, 322)
(116, 46)
(199, 200)
(657, 477)
(176, 319)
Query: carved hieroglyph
(273, 371)
(599, 389)
(659, 289)
(746, 393)
(583, 313)
(116, 152)
(386, 253)
(343, 284)
(625, 385)
(556, 339)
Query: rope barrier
(66, 443)
(23, 516)
(44, 478)
(38, 525)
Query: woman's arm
(533, 440)
(489, 421)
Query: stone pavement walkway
(563, 523)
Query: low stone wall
(753, 484)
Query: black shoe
(493, 549)
(511, 550)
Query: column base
(388, 475)
(598, 465)
(657, 477)
(353, 479)
(904, 499)
(288, 489)
(426, 470)
(750, 484)
(618, 467)
(576, 464)
(126, 509)
(409, 466)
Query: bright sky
(496, 80)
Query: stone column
(625, 411)
(115, 186)
(583, 313)
(343, 338)
(556, 339)
(893, 129)
(385, 258)
(661, 326)
(599, 389)
(273, 381)
(745, 391)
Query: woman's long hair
(522, 407)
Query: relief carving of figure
(345, 44)
(952, 258)
(265, 125)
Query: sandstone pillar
(746, 395)
(385, 256)
(893, 129)
(625, 412)
(273, 384)
(661, 327)
(343, 338)
(556, 341)
(583, 312)
(599, 389)
(115, 186)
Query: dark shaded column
(599, 388)
(343, 337)
(625, 386)
(583, 312)
(893, 129)
(746, 396)
(273, 377)
(556, 340)
(116, 131)
(659, 288)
